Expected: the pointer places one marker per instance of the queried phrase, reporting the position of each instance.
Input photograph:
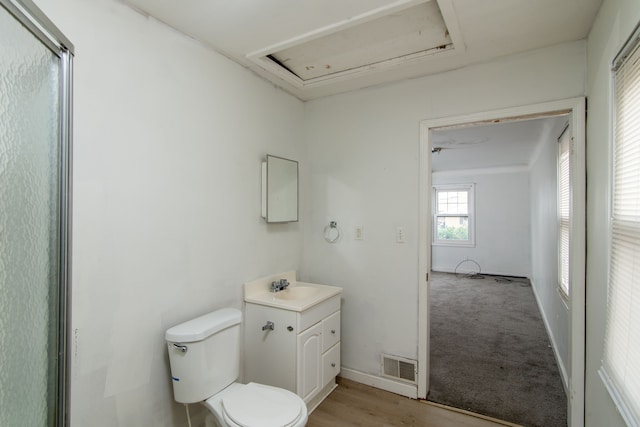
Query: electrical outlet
(358, 232)
(400, 235)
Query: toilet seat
(259, 405)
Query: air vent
(399, 368)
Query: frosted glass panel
(29, 217)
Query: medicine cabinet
(279, 189)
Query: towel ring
(332, 232)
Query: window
(564, 209)
(621, 370)
(453, 215)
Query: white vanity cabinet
(302, 351)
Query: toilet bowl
(204, 355)
(256, 405)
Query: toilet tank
(204, 354)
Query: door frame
(576, 109)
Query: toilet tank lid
(201, 327)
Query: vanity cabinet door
(309, 367)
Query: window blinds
(564, 209)
(621, 364)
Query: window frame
(565, 142)
(470, 189)
(621, 380)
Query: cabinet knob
(290, 328)
(333, 331)
(333, 365)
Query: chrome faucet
(279, 285)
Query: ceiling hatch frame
(265, 59)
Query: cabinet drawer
(330, 331)
(318, 312)
(330, 364)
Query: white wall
(544, 250)
(614, 24)
(365, 171)
(168, 140)
(501, 223)
(169, 137)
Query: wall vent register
(399, 368)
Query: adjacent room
(133, 190)
(495, 212)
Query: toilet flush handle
(183, 348)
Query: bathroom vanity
(292, 336)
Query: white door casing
(576, 107)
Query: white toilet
(204, 354)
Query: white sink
(299, 296)
(297, 292)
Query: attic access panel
(405, 34)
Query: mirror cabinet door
(282, 190)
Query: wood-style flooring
(355, 404)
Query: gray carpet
(490, 352)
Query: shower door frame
(30, 16)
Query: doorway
(574, 108)
(494, 280)
(35, 138)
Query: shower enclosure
(35, 141)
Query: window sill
(563, 297)
(623, 408)
(455, 244)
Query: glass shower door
(33, 235)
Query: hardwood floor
(355, 404)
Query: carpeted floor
(490, 352)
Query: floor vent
(399, 368)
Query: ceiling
(494, 145)
(314, 48)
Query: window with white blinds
(621, 363)
(564, 209)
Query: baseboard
(554, 346)
(407, 390)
